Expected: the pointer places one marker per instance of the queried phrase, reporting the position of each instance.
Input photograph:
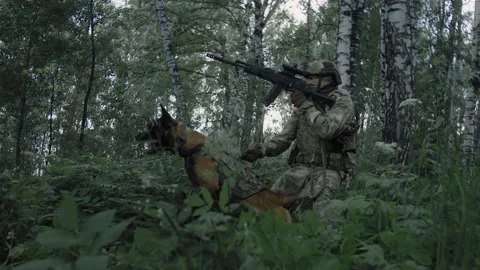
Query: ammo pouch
(340, 154)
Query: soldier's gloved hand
(297, 98)
(252, 154)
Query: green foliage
(110, 208)
(390, 220)
(77, 245)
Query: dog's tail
(267, 199)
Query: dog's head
(166, 134)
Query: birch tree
(348, 39)
(91, 78)
(471, 97)
(398, 65)
(178, 92)
(236, 97)
(308, 23)
(453, 70)
(253, 105)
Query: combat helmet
(323, 68)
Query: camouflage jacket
(314, 127)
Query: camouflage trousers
(309, 185)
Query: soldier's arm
(282, 141)
(335, 120)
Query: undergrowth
(90, 213)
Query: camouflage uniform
(323, 148)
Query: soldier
(323, 152)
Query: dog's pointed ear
(164, 111)
(166, 119)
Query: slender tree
(471, 98)
(398, 66)
(238, 94)
(91, 79)
(178, 92)
(348, 39)
(262, 12)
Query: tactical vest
(340, 152)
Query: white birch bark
(348, 38)
(178, 92)
(261, 19)
(471, 98)
(308, 46)
(239, 83)
(253, 104)
(345, 25)
(258, 59)
(398, 64)
(453, 71)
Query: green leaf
(110, 235)
(411, 265)
(373, 255)
(388, 238)
(151, 212)
(207, 196)
(330, 263)
(202, 210)
(224, 196)
(91, 263)
(168, 245)
(185, 214)
(246, 217)
(336, 206)
(166, 208)
(57, 239)
(47, 264)
(232, 207)
(358, 203)
(144, 240)
(68, 213)
(195, 201)
(99, 222)
(421, 255)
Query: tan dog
(166, 134)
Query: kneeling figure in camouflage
(323, 138)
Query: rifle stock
(281, 80)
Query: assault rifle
(281, 80)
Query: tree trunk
(348, 39)
(453, 71)
(260, 22)
(91, 79)
(398, 65)
(21, 123)
(471, 99)
(52, 101)
(239, 85)
(258, 59)
(178, 92)
(23, 106)
(308, 49)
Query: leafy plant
(77, 245)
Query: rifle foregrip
(273, 94)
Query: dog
(208, 170)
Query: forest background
(80, 78)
